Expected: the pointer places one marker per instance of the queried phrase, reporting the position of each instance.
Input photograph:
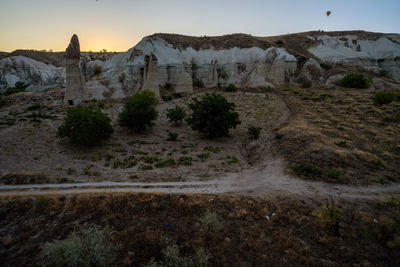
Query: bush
(172, 257)
(18, 88)
(198, 83)
(176, 115)
(355, 80)
(172, 136)
(185, 160)
(139, 111)
(213, 115)
(231, 88)
(87, 247)
(210, 223)
(224, 75)
(383, 98)
(308, 171)
(3, 101)
(254, 132)
(85, 126)
(97, 69)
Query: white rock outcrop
(379, 54)
(39, 75)
(153, 62)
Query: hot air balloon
(328, 13)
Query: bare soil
(30, 148)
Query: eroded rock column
(150, 76)
(75, 84)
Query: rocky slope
(178, 62)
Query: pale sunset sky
(117, 25)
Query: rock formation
(243, 60)
(75, 85)
(150, 75)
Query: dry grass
(293, 234)
(326, 118)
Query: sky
(117, 25)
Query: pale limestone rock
(95, 90)
(180, 79)
(212, 77)
(150, 76)
(75, 91)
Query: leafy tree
(176, 115)
(85, 126)
(213, 115)
(139, 111)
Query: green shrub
(212, 149)
(392, 118)
(146, 167)
(3, 101)
(172, 258)
(334, 174)
(203, 156)
(150, 159)
(185, 160)
(173, 137)
(213, 115)
(166, 163)
(308, 170)
(383, 98)
(355, 80)
(18, 88)
(210, 223)
(166, 98)
(97, 69)
(198, 83)
(254, 132)
(176, 114)
(87, 247)
(85, 126)
(232, 159)
(139, 111)
(224, 74)
(231, 88)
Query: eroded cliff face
(179, 67)
(176, 63)
(380, 54)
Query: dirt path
(267, 181)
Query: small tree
(176, 115)
(85, 126)
(139, 111)
(213, 115)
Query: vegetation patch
(384, 98)
(85, 126)
(166, 163)
(139, 111)
(213, 115)
(355, 80)
(86, 247)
